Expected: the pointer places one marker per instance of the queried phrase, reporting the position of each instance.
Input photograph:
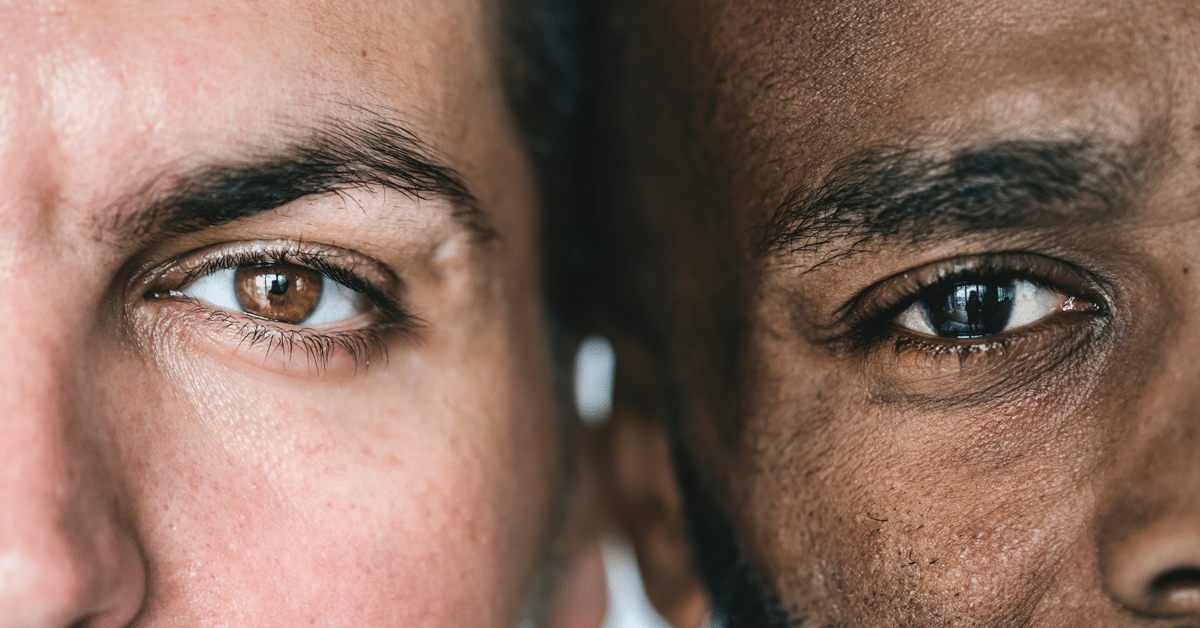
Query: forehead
(103, 89)
(798, 86)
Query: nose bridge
(65, 556)
(63, 552)
(38, 489)
(1149, 537)
(1161, 442)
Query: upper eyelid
(322, 258)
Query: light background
(595, 366)
(627, 603)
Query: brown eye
(975, 309)
(279, 292)
(285, 293)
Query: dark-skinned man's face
(928, 309)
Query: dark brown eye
(279, 292)
(970, 310)
(976, 309)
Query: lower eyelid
(294, 350)
(933, 370)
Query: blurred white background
(627, 604)
(595, 364)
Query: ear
(581, 592)
(580, 596)
(643, 495)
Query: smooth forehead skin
(163, 465)
(113, 81)
(1046, 479)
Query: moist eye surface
(978, 309)
(284, 293)
(970, 310)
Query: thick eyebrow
(888, 193)
(333, 156)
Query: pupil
(970, 310)
(279, 285)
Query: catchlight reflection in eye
(977, 310)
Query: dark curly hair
(543, 63)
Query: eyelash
(870, 325)
(319, 346)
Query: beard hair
(741, 595)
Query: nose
(66, 558)
(1149, 543)
(1155, 570)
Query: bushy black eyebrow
(333, 156)
(904, 193)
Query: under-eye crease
(286, 296)
(971, 305)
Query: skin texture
(160, 465)
(870, 475)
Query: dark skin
(825, 179)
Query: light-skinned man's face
(932, 309)
(271, 317)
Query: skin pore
(926, 310)
(373, 439)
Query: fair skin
(830, 176)
(383, 450)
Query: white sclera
(914, 319)
(216, 288)
(1031, 304)
(595, 367)
(337, 303)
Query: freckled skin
(1047, 485)
(160, 470)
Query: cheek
(370, 499)
(867, 508)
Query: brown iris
(280, 292)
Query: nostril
(1176, 590)
(1155, 571)
(1178, 578)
